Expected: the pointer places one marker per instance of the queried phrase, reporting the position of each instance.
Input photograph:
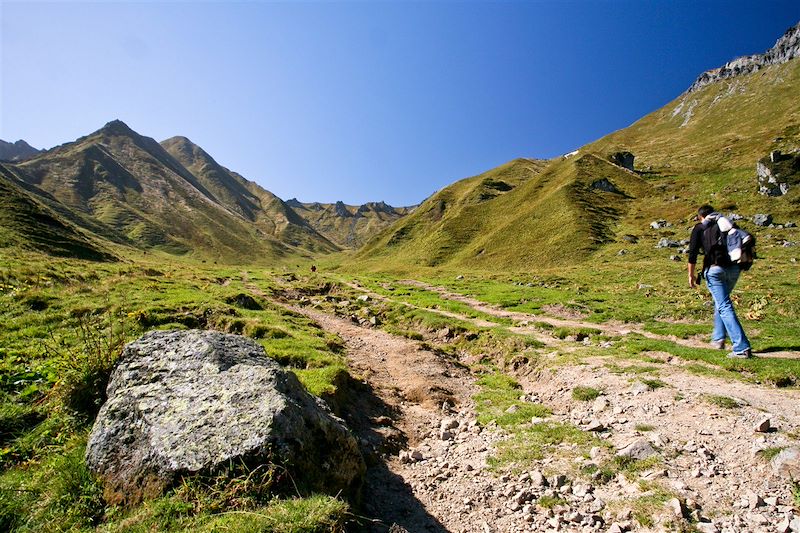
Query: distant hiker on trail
(721, 275)
(313, 268)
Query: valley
(519, 352)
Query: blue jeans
(721, 282)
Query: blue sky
(363, 101)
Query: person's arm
(692, 276)
(694, 248)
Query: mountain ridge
(16, 151)
(129, 188)
(787, 47)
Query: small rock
(763, 426)
(595, 426)
(772, 501)
(794, 525)
(706, 527)
(600, 404)
(448, 423)
(754, 500)
(538, 479)
(787, 463)
(638, 449)
(513, 409)
(677, 508)
(364, 298)
(762, 219)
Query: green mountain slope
(349, 226)
(128, 188)
(27, 223)
(702, 147)
(262, 208)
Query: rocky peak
(16, 151)
(117, 127)
(377, 207)
(294, 203)
(785, 49)
(341, 210)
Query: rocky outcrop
(622, 159)
(182, 403)
(785, 49)
(778, 173)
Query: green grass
(723, 401)
(585, 394)
(549, 502)
(644, 428)
(529, 445)
(653, 384)
(65, 324)
(499, 394)
(769, 453)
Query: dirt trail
(610, 328)
(428, 458)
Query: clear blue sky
(364, 101)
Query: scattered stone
(668, 243)
(675, 505)
(633, 239)
(595, 426)
(787, 463)
(706, 527)
(763, 426)
(762, 219)
(753, 500)
(638, 450)
(194, 402)
(660, 224)
(364, 298)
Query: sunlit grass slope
(725, 125)
(526, 212)
(701, 148)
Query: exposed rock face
(778, 173)
(193, 402)
(785, 49)
(623, 159)
(606, 186)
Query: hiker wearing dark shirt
(721, 275)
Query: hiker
(721, 274)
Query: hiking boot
(717, 345)
(747, 354)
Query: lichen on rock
(184, 403)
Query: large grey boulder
(196, 402)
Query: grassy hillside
(263, 209)
(524, 213)
(701, 148)
(349, 226)
(28, 224)
(726, 125)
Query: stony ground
(429, 469)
